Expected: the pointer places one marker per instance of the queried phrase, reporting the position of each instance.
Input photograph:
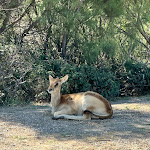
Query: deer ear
(50, 77)
(64, 79)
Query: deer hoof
(56, 118)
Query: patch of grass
(20, 137)
(136, 107)
(51, 141)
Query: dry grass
(31, 128)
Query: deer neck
(55, 100)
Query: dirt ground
(31, 128)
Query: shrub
(135, 79)
(18, 87)
(83, 78)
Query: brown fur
(69, 97)
(65, 98)
(90, 108)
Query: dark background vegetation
(103, 45)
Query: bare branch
(134, 39)
(24, 13)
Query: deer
(78, 106)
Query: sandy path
(31, 128)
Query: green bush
(10, 95)
(135, 79)
(83, 78)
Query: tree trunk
(64, 45)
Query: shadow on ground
(126, 123)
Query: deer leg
(59, 114)
(86, 116)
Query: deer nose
(49, 90)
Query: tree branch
(24, 13)
(135, 38)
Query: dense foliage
(103, 45)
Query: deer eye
(56, 84)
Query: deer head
(55, 84)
